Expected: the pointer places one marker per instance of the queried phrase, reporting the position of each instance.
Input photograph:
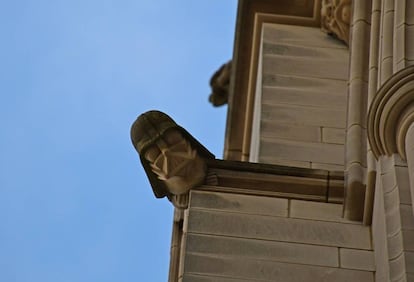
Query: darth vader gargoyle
(173, 160)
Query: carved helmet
(146, 130)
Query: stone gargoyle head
(173, 160)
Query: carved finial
(336, 18)
(220, 82)
(173, 160)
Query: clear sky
(75, 203)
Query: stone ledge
(273, 180)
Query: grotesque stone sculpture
(336, 18)
(220, 82)
(173, 160)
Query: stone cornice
(274, 181)
(391, 113)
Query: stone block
(333, 135)
(408, 239)
(403, 183)
(274, 129)
(357, 103)
(357, 259)
(392, 212)
(356, 144)
(279, 229)
(285, 162)
(256, 270)
(336, 191)
(239, 203)
(407, 218)
(316, 211)
(361, 12)
(359, 64)
(399, 46)
(302, 151)
(389, 181)
(331, 167)
(206, 278)
(397, 269)
(310, 85)
(303, 36)
(311, 66)
(219, 246)
(316, 95)
(409, 37)
(409, 262)
(395, 246)
(303, 115)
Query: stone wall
(303, 101)
(233, 237)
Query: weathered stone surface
(317, 211)
(272, 129)
(253, 269)
(299, 91)
(407, 218)
(302, 115)
(306, 36)
(408, 239)
(239, 203)
(205, 278)
(323, 67)
(303, 151)
(357, 259)
(279, 229)
(333, 135)
(219, 246)
(409, 262)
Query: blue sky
(75, 204)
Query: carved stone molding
(336, 18)
(391, 113)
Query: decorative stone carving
(220, 82)
(336, 18)
(391, 114)
(173, 160)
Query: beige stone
(333, 135)
(253, 269)
(219, 246)
(331, 167)
(360, 51)
(285, 162)
(279, 229)
(408, 239)
(320, 95)
(357, 259)
(305, 36)
(273, 129)
(395, 246)
(356, 145)
(409, 262)
(326, 68)
(301, 151)
(316, 211)
(239, 203)
(407, 218)
(213, 278)
(303, 115)
(397, 269)
(357, 103)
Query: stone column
(391, 137)
(355, 147)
